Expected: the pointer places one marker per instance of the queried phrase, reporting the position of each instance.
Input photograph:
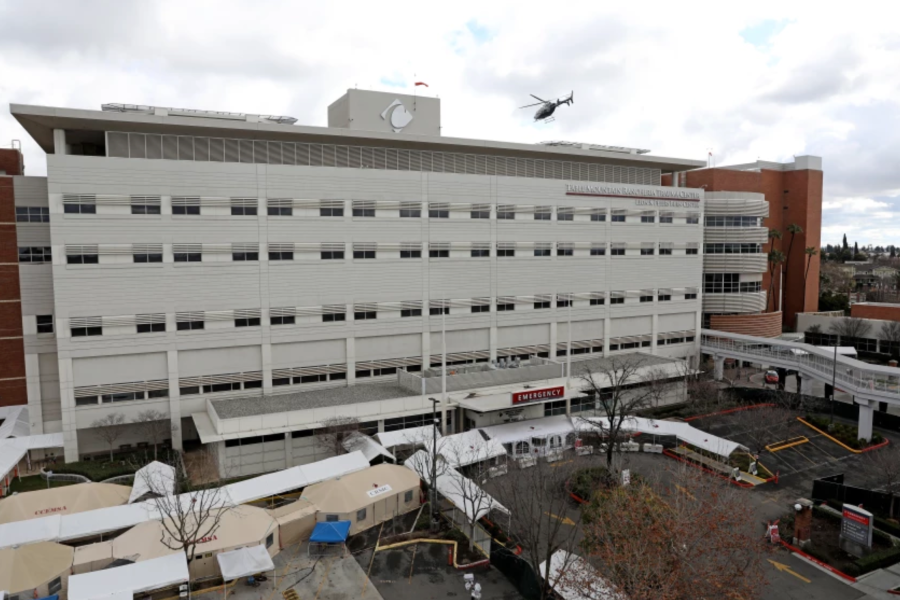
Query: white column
(553, 339)
(492, 341)
(288, 450)
(866, 417)
(59, 141)
(266, 351)
(654, 331)
(67, 404)
(174, 400)
(806, 385)
(719, 372)
(606, 328)
(33, 383)
(351, 360)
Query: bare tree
(886, 463)
(890, 331)
(154, 426)
(334, 432)
(193, 516)
(110, 429)
(538, 504)
(850, 327)
(766, 426)
(700, 541)
(620, 385)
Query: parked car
(771, 376)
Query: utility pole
(833, 380)
(433, 483)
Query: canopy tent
(414, 436)
(92, 557)
(295, 521)
(149, 575)
(64, 500)
(366, 498)
(155, 478)
(32, 567)
(14, 449)
(14, 421)
(467, 448)
(331, 533)
(572, 578)
(245, 562)
(365, 444)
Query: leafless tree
(890, 331)
(852, 327)
(154, 426)
(538, 504)
(621, 385)
(189, 518)
(110, 429)
(334, 432)
(886, 463)
(767, 425)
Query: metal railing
(863, 380)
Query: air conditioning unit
(516, 418)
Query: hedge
(878, 560)
(844, 432)
(102, 469)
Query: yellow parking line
(324, 577)
(787, 444)
(412, 563)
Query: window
(601, 217)
(44, 323)
(648, 218)
(185, 206)
(88, 401)
(692, 220)
(438, 211)
(189, 391)
(363, 210)
(508, 252)
(481, 308)
(691, 250)
(565, 213)
(82, 259)
(243, 208)
(618, 218)
(723, 283)
(565, 250)
(247, 322)
(282, 255)
(736, 221)
(646, 251)
(751, 286)
(732, 248)
(336, 255)
(543, 213)
(505, 306)
(480, 211)
(280, 211)
(411, 312)
(141, 208)
(32, 214)
(158, 394)
(253, 384)
(222, 387)
(617, 300)
(35, 254)
(87, 208)
(362, 254)
(563, 302)
(365, 315)
(439, 253)
(665, 251)
(281, 381)
(410, 211)
(481, 252)
(617, 251)
(506, 212)
(336, 209)
(147, 257)
(151, 327)
(55, 586)
(122, 397)
(188, 256)
(411, 253)
(597, 301)
(270, 539)
(690, 296)
(598, 250)
(86, 331)
(664, 297)
(540, 251)
(439, 310)
(285, 320)
(542, 304)
(331, 518)
(244, 256)
(666, 218)
(189, 325)
(333, 317)
(408, 496)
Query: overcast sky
(767, 81)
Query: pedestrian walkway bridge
(867, 383)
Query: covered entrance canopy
(332, 533)
(64, 500)
(149, 575)
(245, 562)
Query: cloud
(764, 80)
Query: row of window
(728, 283)
(732, 248)
(734, 221)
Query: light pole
(833, 380)
(433, 483)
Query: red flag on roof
(418, 83)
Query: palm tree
(776, 258)
(810, 251)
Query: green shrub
(101, 469)
(877, 438)
(585, 481)
(815, 552)
(878, 560)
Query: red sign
(48, 511)
(551, 393)
(855, 516)
(210, 538)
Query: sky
(745, 81)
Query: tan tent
(64, 500)
(367, 497)
(295, 521)
(92, 557)
(239, 527)
(41, 569)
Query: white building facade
(174, 259)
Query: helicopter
(547, 107)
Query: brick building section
(793, 197)
(761, 325)
(872, 310)
(13, 389)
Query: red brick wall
(762, 325)
(873, 311)
(13, 389)
(11, 162)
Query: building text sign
(621, 191)
(551, 393)
(856, 525)
(382, 489)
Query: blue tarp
(334, 532)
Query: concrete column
(67, 404)
(381, 426)
(805, 385)
(288, 450)
(606, 328)
(59, 141)
(33, 383)
(866, 418)
(351, 360)
(553, 338)
(568, 406)
(719, 370)
(174, 400)
(654, 331)
(266, 351)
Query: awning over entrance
(244, 562)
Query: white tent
(148, 575)
(523, 430)
(155, 477)
(683, 431)
(244, 562)
(567, 569)
(369, 447)
(414, 436)
(470, 447)
(14, 449)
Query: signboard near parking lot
(856, 525)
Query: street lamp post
(433, 482)
(833, 380)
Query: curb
(741, 484)
(818, 562)
(842, 444)
(729, 411)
